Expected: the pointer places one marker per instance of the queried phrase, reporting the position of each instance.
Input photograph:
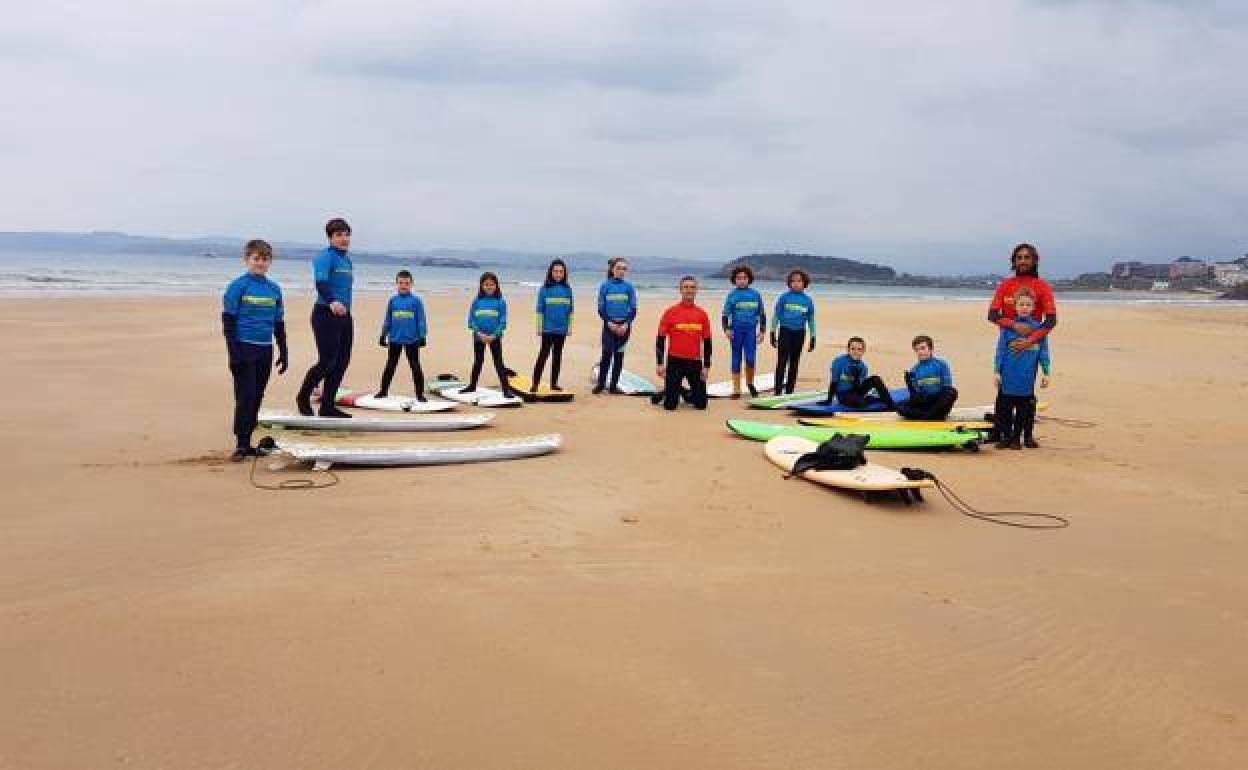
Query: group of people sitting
(253, 322)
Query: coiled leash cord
(267, 445)
(1050, 520)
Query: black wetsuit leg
(542, 355)
(392, 362)
(418, 374)
(478, 359)
(789, 344)
(556, 361)
(251, 376)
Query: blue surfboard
(813, 408)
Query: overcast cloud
(929, 135)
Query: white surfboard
(724, 389)
(324, 456)
(403, 404)
(784, 451)
(415, 423)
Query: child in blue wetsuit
(555, 305)
(930, 382)
(850, 384)
(404, 330)
(617, 307)
(744, 320)
(252, 318)
(487, 320)
(795, 311)
(1015, 410)
(332, 326)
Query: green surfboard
(876, 438)
(779, 402)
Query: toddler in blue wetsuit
(253, 317)
(404, 331)
(1015, 375)
(744, 321)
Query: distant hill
(775, 267)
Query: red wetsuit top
(686, 326)
(1046, 307)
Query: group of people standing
(253, 322)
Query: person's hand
(661, 370)
(996, 380)
(281, 363)
(1020, 344)
(420, 343)
(728, 333)
(1044, 381)
(758, 339)
(773, 339)
(337, 308)
(382, 341)
(1022, 328)
(811, 347)
(621, 329)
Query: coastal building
(1230, 273)
(1140, 271)
(1187, 268)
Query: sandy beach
(653, 596)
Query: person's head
(557, 272)
(403, 280)
(742, 276)
(617, 267)
(339, 233)
(1025, 260)
(856, 346)
(798, 279)
(258, 256)
(1024, 303)
(923, 346)
(488, 286)
(688, 289)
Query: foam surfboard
(523, 386)
(324, 456)
(724, 389)
(631, 383)
(957, 414)
(362, 399)
(453, 389)
(816, 409)
(415, 423)
(782, 401)
(846, 422)
(785, 450)
(876, 439)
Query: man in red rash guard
(1026, 262)
(689, 328)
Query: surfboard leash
(267, 445)
(1030, 520)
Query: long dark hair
(498, 287)
(1035, 270)
(550, 273)
(611, 265)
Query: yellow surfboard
(521, 384)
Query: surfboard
(522, 384)
(724, 389)
(415, 423)
(957, 414)
(816, 409)
(780, 402)
(365, 400)
(325, 456)
(453, 390)
(784, 451)
(846, 422)
(631, 383)
(876, 439)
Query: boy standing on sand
(252, 318)
(331, 321)
(1015, 375)
(744, 320)
(930, 382)
(689, 328)
(404, 330)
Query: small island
(775, 267)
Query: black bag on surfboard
(839, 453)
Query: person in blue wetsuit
(930, 382)
(1015, 374)
(332, 326)
(252, 318)
(795, 312)
(852, 384)
(555, 306)
(404, 330)
(617, 307)
(487, 320)
(744, 320)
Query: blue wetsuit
(1015, 410)
(555, 309)
(334, 334)
(932, 393)
(252, 317)
(404, 330)
(795, 311)
(745, 316)
(617, 303)
(488, 315)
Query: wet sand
(653, 596)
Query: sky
(929, 136)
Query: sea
(50, 274)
